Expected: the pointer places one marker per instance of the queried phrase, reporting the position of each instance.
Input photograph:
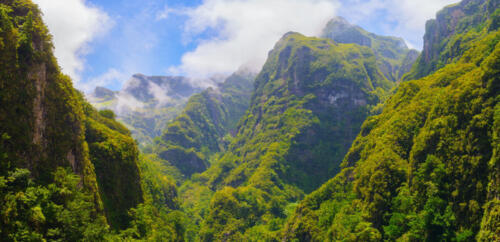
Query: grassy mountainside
(308, 105)
(205, 125)
(394, 58)
(427, 167)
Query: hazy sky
(104, 42)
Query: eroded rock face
(39, 77)
(441, 28)
(331, 82)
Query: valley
(344, 136)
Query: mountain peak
(139, 75)
(389, 51)
(102, 92)
(338, 22)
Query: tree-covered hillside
(67, 171)
(326, 143)
(307, 107)
(206, 124)
(427, 167)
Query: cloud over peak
(236, 33)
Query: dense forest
(347, 136)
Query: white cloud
(160, 93)
(402, 18)
(241, 32)
(73, 24)
(126, 103)
(167, 11)
(109, 77)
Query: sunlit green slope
(427, 167)
(307, 107)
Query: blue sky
(138, 42)
(103, 42)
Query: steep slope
(205, 125)
(308, 105)
(448, 36)
(146, 103)
(114, 155)
(40, 111)
(394, 58)
(426, 168)
(49, 133)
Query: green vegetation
(442, 44)
(394, 58)
(114, 155)
(308, 104)
(59, 211)
(149, 122)
(426, 168)
(67, 171)
(326, 148)
(158, 218)
(205, 125)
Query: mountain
(67, 171)
(146, 103)
(205, 125)
(426, 168)
(326, 143)
(446, 39)
(394, 58)
(307, 107)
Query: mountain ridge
(418, 171)
(394, 57)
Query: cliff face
(445, 38)
(394, 58)
(418, 171)
(46, 124)
(40, 111)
